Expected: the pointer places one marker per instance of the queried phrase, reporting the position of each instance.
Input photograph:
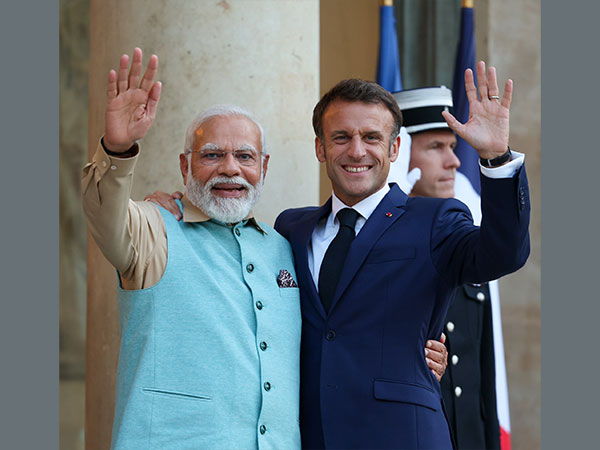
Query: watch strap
(498, 160)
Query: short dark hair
(357, 90)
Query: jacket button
(454, 360)
(457, 391)
(267, 386)
(450, 326)
(249, 268)
(263, 429)
(480, 296)
(330, 336)
(237, 232)
(259, 305)
(263, 346)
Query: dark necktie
(335, 256)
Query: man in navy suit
(364, 378)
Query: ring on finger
(493, 97)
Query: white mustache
(227, 180)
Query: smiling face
(356, 148)
(225, 191)
(432, 151)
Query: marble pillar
(260, 54)
(511, 42)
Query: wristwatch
(131, 151)
(498, 160)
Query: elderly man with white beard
(209, 307)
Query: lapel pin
(389, 214)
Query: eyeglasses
(244, 157)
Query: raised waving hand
(132, 101)
(487, 129)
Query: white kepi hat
(422, 108)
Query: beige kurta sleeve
(131, 234)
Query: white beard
(226, 210)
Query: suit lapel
(299, 242)
(377, 224)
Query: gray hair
(220, 110)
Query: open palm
(132, 102)
(487, 128)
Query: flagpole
(387, 2)
(465, 3)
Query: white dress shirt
(326, 230)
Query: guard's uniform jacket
(469, 384)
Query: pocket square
(285, 279)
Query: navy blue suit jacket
(364, 379)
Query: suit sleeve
(464, 253)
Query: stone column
(260, 54)
(508, 37)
